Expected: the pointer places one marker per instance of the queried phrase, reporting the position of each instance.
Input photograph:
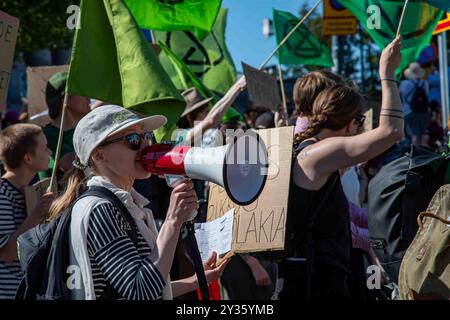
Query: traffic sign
(333, 9)
(337, 20)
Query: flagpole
(153, 37)
(58, 148)
(443, 72)
(290, 34)
(401, 18)
(283, 94)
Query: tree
(42, 23)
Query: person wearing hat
(415, 122)
(108, 142)
(77, 107)
(200, 119)
(265, 120)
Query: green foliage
(42, 23)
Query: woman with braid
(320, 266)
(306, 90)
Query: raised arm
(216, 114)
(332, 154)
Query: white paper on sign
(215, 235)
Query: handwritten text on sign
(261, 225)
(9, 27)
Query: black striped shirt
(115, 259)
(12, 215)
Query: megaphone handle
(172, 180)
(192, 247)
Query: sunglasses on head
(134, 140)
(359, 119)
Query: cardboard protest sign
(262, 88)
(9, 27)
(373, 108)
(35, 192)
(368, 123)
(37, 82)
(261, 226)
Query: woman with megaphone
(113, 239)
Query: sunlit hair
(308, 87)
(334, 108)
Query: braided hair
(334, 108)
(308, 87)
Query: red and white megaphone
(240, 167)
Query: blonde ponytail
(75, 185)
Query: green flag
(186, 76)
(302, 47)
(171, 15)
(112, 62)
(208, 59)
(417, 28)
(189, 80)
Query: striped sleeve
(134, 278)
(7, 225)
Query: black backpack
(419, 100)
(397, 194)
(44, 253)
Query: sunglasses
(134, 140)
(359, 119)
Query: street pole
(363, 71)
(443, 72)
(334, 51)
(341, 54)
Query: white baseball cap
(414, 72)
(104, 122)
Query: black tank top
(323, 215)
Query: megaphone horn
(240, 167)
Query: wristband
(390, 80)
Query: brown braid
(334, 108)
(308, 87)
(316, 123)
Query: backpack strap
(104, 193)
(430, 215)
(193, 252)
(109, 292)
(417, 84)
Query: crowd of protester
(328, 190)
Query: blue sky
(244, 30)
